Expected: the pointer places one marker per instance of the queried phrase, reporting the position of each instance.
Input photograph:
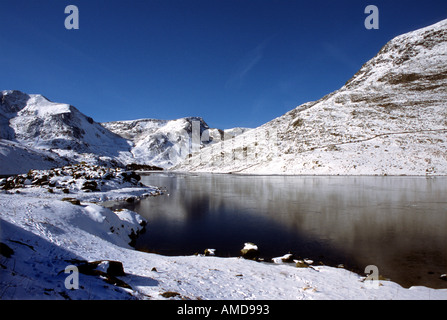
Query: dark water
(398, 224)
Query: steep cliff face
(389, 118)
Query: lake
(398, 224)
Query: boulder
(210, 252)
(109, 267)
(284, 259)
(250, 251)
(90, 185)
(301, 264)
(108, 270)
(112, 268)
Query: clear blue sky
(232, 62)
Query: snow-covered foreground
(43, 237)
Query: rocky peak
(12, 101)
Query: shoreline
(46, 234)
(288, 174)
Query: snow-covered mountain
(55, 130)
(36, 133)
(389, 118)
(162, 143)
(165, 143)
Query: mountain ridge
(37, 133)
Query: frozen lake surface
(398, 224)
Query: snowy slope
(390, 118)
(39, 124)
(165, 143)
(43, 232)
(43, 237)
(16, 158)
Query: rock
(109, 267)
(308, 261)
(108, 270)
(5, 250)
(133, 237)
(9, 184)
(90, 185)
(113, 268)
(143, 167)
(170, 294)
(210, 252)
(250, 251)
(130, 177)
(284, 259)
(107, 176)
(72, 201)
(130, 199)
(40, 181)
(301, 264)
